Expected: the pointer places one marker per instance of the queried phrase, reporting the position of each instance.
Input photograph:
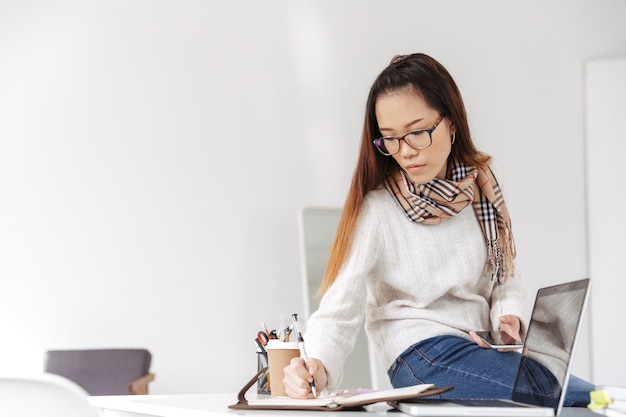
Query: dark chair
(103, 371)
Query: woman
(424, 247)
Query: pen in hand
(294, 318)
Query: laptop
(548, 350)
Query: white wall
(154, 154)
(605, 98)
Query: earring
(453, 138)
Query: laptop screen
(550, 340)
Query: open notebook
(341, 400)
(550, 340)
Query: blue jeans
(473, 371)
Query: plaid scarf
(439, 199)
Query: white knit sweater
(409, 281)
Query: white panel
(606, 147)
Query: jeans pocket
(401, 375)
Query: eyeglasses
(417, 139)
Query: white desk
(203, 405)
(216, 405)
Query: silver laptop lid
(551, 340)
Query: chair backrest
(45, 395)
(100, 371)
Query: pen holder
(279, 355)
(263, 386)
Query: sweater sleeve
(332, 330)
(509, 298)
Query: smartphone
(494, 340)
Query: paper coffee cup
(279, 355)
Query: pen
(294, 318)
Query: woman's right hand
(298, 377)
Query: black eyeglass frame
(379, 143)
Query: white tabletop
(203, 405)
(216, 405)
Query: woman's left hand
(510, 327)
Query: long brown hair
(429, 78)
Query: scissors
(263, 337)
